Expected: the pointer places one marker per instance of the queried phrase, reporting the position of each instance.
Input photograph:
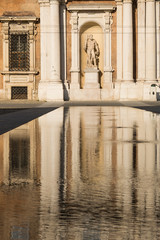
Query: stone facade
(127, 33)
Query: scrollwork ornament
(74, 21)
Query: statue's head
(90, 37)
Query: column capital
(127, 1)
(150, 1)
(74, 20)
(54, 1)
(141, 1)
(49, 1)
(43, 1)
(119, 2)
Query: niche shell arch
(97, 32)
(85, 19)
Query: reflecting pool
(82, 173)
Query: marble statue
(92, 49)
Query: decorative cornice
(20, 72)
(18, 16)
(127, 1)
(150, 1)
(48, 1)
(43, 1)
(118, 1)
(141, 1)
(54, 2)
(91, 7)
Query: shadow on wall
(66, 92)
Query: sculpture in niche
(92, 49)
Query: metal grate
(19, 52)
(19, 93)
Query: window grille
(19, 93)
(19, 54)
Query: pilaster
(141, 40)
(150, 40)
(158, 38)
(127, 41)
(119, 40)
(75, 67)
(63, 42)
(55, 41)
(107, 49)
(5, 30)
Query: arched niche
(98, 34)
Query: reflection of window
(19, 58)
(20, 155)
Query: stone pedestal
(91, 78)
(50, 91)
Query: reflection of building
(99, 175)
(20, 170)
(110, 164)
(43, 49)
(20, 155)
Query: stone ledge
(20, 72)
(91, 7)
(18, 16)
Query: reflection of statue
(92, 49)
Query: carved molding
(20, 72)
(74, 21)
(150, 1)
(19, 19)
(127, 1)
(5, 30)
(48, 2)
(91, 7)
(107, 22)
(43, 1)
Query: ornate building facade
(57, 50)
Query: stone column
(150, 40)
(127, 41)
(45, 18)
(5, 30)
(50, 86)
(158, 40)
(141, 40)
(75, 69)
(107, 50)
(119, 40)
(55, 41)
(63, 41)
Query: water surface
(82, 173)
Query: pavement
(14, 113)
